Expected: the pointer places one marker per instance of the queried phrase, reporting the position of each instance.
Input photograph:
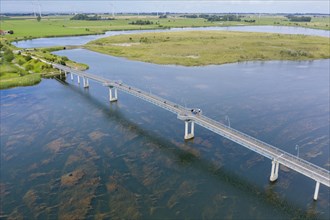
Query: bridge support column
(78, 78)
(85, 82)
(71, 75)
(111, 97)
(274, 172)
(316, 193)
(188, 135)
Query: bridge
(194, 116)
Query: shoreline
(59, 48)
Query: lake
(66, 152)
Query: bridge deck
(295, 163)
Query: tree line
(89, 18)
(299, 18)
(141, 22)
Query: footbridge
(194, 116)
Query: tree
(28, 67)
(39, 18)
(8, 55)
(64, 58)
(28, 58)
(300, 19)
(85, 17)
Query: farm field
(29, 27)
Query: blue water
(66, 152)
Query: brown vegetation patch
(96, 135)
(254, 161)
(72, 178)
(3, 190)
(124, 204)
(314, 154)
(78, 206)
(30, 198)
(58, 145)
(185, 190)
(111, 187)
(37, 175)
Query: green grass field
(11, 76)
(25, 28)
(22, 70)
(213, 47)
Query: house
(2, 32)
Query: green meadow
(197, 48)
(28, 27)
(12, 76)
(19, 69)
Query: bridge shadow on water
(184, 157)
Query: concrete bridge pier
(60, 75)
(113, 97)
(85, 82)
(274, 172)
(188, 135)
(78, 78)
(316, 192)
(71, 75)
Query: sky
(189, 6)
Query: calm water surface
(66, 152)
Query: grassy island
(197, 48)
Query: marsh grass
(10, 76)
(197, 48)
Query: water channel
(66, 152)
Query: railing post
(188, 135)
(274, 171)
(316, 193)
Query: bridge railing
(273, 148)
